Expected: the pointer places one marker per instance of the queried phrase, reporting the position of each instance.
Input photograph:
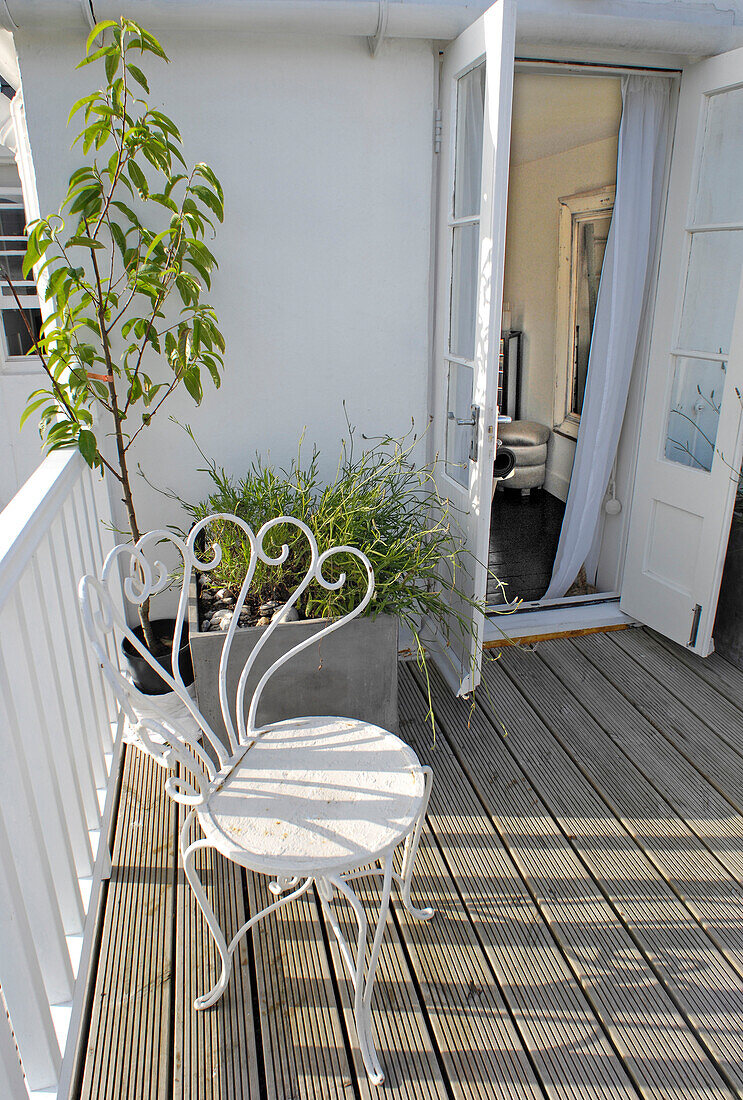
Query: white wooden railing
(58, 763)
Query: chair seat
(523, 433)
(315, 795)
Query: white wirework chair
(310, 800)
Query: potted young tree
(122, 268)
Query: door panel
(476, 92)
(690, 440)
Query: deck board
(724, 677)
(697, 803)
(128, 1050)
(584, 852)
(586, 784)
(646, 1028)
(558, 1027)
(694, 738)
(301, 1029)
(712, 708)
(223, 1039)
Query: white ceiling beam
(685, 29)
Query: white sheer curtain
(625, 280)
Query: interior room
(561, 191)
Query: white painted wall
(325, 156)
(531, 276)
(20, 451)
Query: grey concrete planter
(352, 673)
(728, 632)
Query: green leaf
(126, 210)
(86, 99)
(148, 41)
(84, 242)
(112, 64)
(35, 248)
(209, 199)
(211, 366)
(98, 29)
(135, 390)
(104, 51)
(164, 200)
(138, 76)
(192, 382)
(138, 178)
(87, 446)
(31, 409)
(208, 174)
(119, 237)
(166, 124)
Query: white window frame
(16, 364)
(575, 210)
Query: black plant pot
(144, 676)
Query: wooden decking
(584, 852)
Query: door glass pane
(465, 241)
(711, 292)
(458, 436)
(694, 412)
(592, 235)
(468, 161)
(719, 194)
(12, 219)
(17, 338)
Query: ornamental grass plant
(380, 502)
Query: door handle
(473, 422)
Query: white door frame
(564, 614)
(462, 378)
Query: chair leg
(411, 850)
(226, 951)
(363, 985)
(188, 852)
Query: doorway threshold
(554, 619)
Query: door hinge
(437, 124)
(695, 624)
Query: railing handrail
(26, 518)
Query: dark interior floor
(524, 532)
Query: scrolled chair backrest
(202, 755)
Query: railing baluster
(96, 533)
(12, 1084)
(25, 830)
(32, 739)
(78, 707)
(21, 979)
(74, 571)
(67, 806)
(85, 561)
(64, 749)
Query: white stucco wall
(20, 451)
(325, 155)
(531, 277)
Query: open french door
(690, 439)
(476, 94)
